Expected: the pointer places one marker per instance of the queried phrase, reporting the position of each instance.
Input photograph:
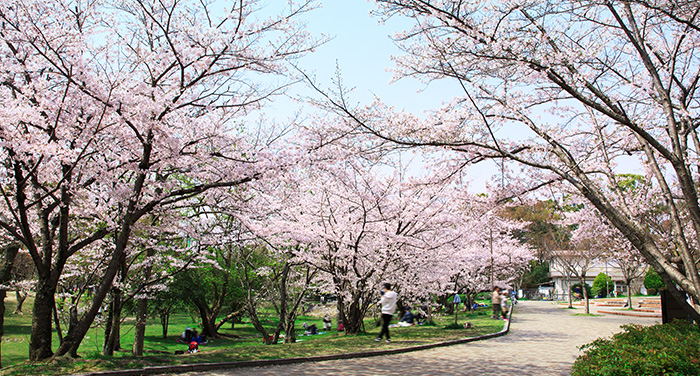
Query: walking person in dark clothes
(388, 303)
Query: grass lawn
(248, 346)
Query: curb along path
(543, 340)
(182, 368)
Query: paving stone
(543, 340)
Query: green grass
(248, 346)
(586, 314)
(15, 342)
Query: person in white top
(388, 303)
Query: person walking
(388, 303)
(496, 303)
(504, 305)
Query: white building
(557, 274)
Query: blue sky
(361, 46)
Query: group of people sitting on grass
(411, 318)
(310, 330)
(191, 335)
(192, 339)
(327, 326)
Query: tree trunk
(400, 308)
(208, 319)
(568, 283)
(21, 297)
(113, 324)
(140, 330)
(446, 305)
(252, 312)
(278, 330)
(108, 330)
(74, 337)
(282, 312)
(471, 298)
(629, 293)
(231, 317)
(42, 320)
(3, 293)
(290, 335)
(584, 291)
(57, 322)
(112, 341)
(142, 310)
(352, 317)
(164, 321)
(73, 315)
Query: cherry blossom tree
(347, 219)
(632, 266)
(116, 109)
(362, 221)
(162, 247)
(491, 258)
(575, 262)
(596, 231)
(566, 91)
(278, 279)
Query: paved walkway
(543, 340)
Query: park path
(543, 340)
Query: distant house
(557, 274)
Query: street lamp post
(607, 286)
(491, 247)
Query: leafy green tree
(536, 273)
(541, 232)
(162, 305)
(212, 290)
(653, 282)
(602, 285)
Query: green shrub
(669, 349)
